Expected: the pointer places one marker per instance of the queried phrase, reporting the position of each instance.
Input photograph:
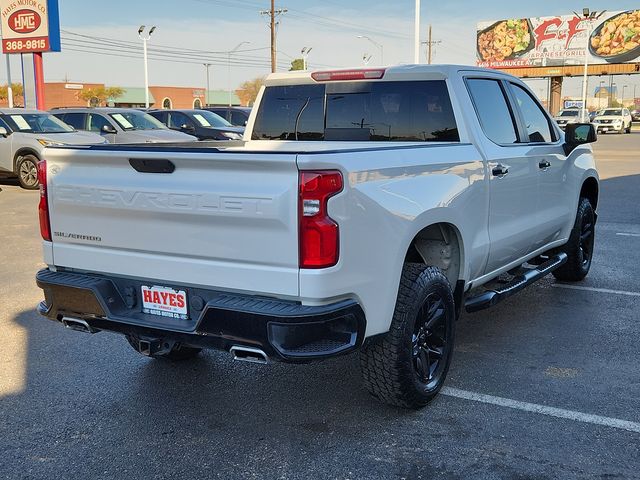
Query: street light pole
(622, 101)
(378, 45)
(305, 54)
(230, 52)
(206, 93)
(145, 39)
(600, 94)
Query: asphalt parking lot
(545, 385)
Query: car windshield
(209, 119)
(569, 113)
(612, 112)
(137, 121)
(37, 123)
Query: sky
(101, 44)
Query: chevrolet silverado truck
(365, 209)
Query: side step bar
(490, 297)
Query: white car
(23, 136)
(571, 115)
(613, 120)
(366, 209)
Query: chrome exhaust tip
(78, 325)
(248, 354)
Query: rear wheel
(27, 170)
(177, 352)
(579, 248)
(408, 365)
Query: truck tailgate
(221, 220)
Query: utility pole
(273, 24)
(416, 34)
(430, 43)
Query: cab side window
(76, 120)
(535, 120)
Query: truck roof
(395, 72)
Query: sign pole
(9, 89)
(39, 78)
(416, 34)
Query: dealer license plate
(165, 302)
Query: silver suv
(121, 125)
(23, 136)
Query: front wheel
(579, 248)
(408, 365)
(27, 170)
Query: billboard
(557, 41)
(30, 26)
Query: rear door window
(416, 111)
(493, 110)
(238, 118)
(178, 120)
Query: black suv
(203, 124)
(237, 116)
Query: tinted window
(239, 118)
(493, 111)
(36, 123)
(358, 111)
(178, 119)
(291, 113)
(535, 120)
(96, 122)
(76, 120)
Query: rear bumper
(284, 330)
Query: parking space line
(625, 234)
(543, 409)
(594, 289)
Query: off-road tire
(579, 248)
(177, 353)
(27, 171)
(388, 362)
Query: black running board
(491, 297)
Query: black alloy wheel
(429, 341)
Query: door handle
(544, 164)
(500, 170)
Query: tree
(17, 90)
(248, 91)
(99, 95)
(297, 64)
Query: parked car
(121, 125)
(635, 115)
(594, 114)
(613, 120)
(571, 115)
(23, 136)
(236, 116)
(369, 208)
(203, 124)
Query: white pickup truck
(366, 208)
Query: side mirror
(108, 129)
(577, 134)
(188, 128)
(3, 132)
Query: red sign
(24, 21)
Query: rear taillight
(43, 206)
(319, 234)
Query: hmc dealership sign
(30, 26)
(557, 41)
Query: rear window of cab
(414, 111)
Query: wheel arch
(439, 244)
(590, 189)
(22, 152)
